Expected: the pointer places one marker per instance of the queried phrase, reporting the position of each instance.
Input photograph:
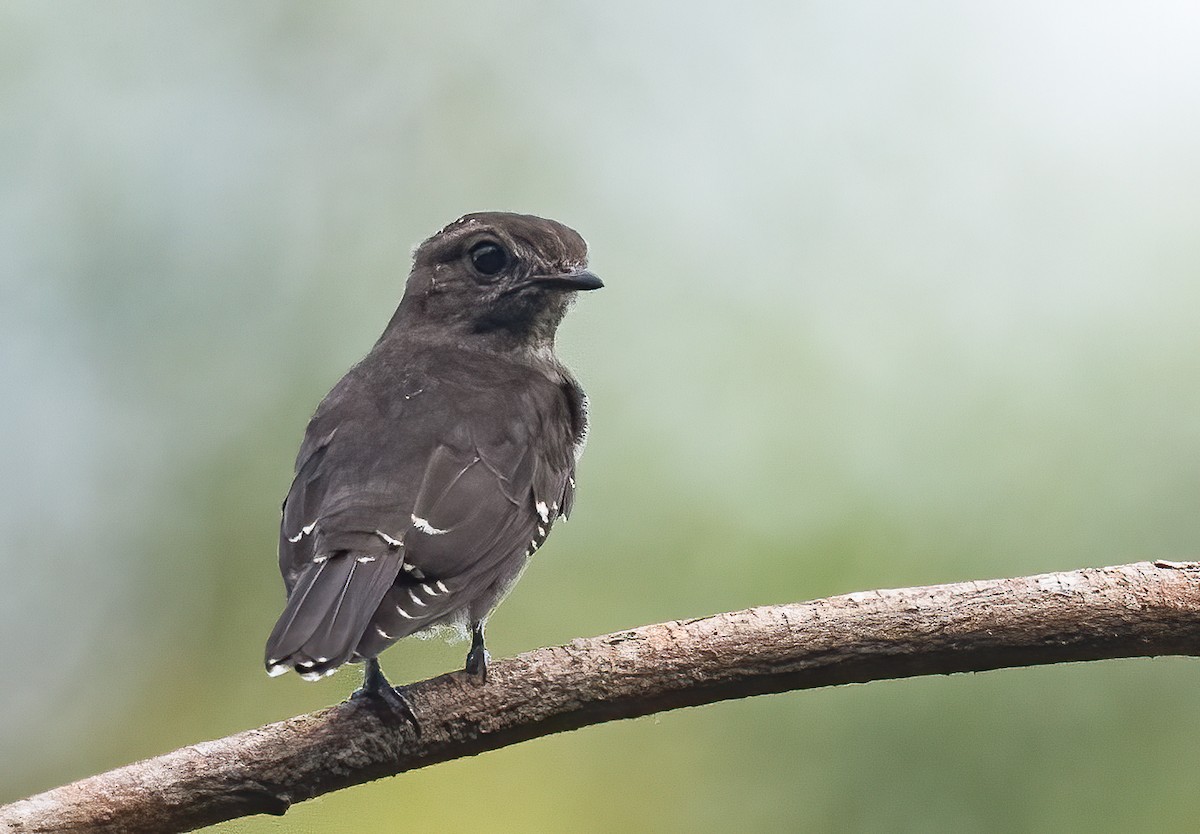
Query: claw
(376, 687)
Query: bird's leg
(373, 679)
(478, 657)
(375, 685)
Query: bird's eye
(488, 258)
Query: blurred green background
(897, 294)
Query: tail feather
(327, 612)
(334, 642)
(292, 628)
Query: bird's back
(427, 477)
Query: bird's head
(507, 278)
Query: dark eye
(488, 258)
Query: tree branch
(1136, 610)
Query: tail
(327, 612)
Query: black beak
(580, 279)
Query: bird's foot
(376, 688)
(477, 665)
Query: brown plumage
(440, 462)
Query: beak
(580, 279)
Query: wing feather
(421, 512)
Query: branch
(1136, 610)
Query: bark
(1136, 610)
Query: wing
(486, 503)
(409, 511)
(336, 561)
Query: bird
(435, 468)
